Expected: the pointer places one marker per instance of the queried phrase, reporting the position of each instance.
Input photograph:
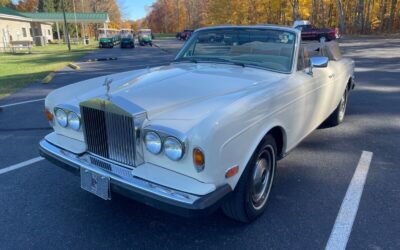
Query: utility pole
(83, 27)
(76, 26)
(65, 25)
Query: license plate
(95, 184)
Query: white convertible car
(206, 130)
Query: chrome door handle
(332, 76)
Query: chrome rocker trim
(139, 189)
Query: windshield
(267, 48)
(145, 33)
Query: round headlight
(153, 142)
(173, 148)
(61, 117)
(73, 121)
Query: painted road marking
(348, 210)
(19, 103)
(20, 165)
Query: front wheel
(248, 200)
(338, 114)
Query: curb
(48, 78)
(74, 66)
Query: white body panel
(225, 110)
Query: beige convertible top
(329, 49)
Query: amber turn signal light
(198, 159)
(232, 171)
(49, 115)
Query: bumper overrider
(122, 181)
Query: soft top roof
(329, 49)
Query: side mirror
(318, 62)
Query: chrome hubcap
(262, 178)
(342, 110)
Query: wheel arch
(350, 84)
(279, 135)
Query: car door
(336, 74)
(325, 96)
(309, 99)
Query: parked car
(145, 37)
(184, 35)
(310, 32)
(206, 130)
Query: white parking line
(348, 210)
(19, 103)
(20, 165)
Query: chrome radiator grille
(109, 135)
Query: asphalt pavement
(43, 207)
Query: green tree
(46, 6)
(58, 6)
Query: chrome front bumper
(122, 181)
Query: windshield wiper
(210, 59)
(216, 59)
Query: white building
(37, 27)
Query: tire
(338, 114)
(323, 39)
(249, 199)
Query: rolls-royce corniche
(205, 131)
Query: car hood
(164, 92)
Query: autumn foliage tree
(351, 16)
(27, 5)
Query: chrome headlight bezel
(166, 134)
(172, 153)
(74, 121)
(68, 117)
(153, 148)
(61, 117)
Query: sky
(134, 9)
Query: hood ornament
(107, 84)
